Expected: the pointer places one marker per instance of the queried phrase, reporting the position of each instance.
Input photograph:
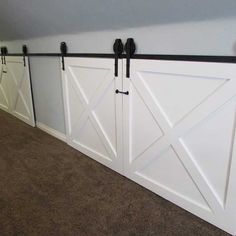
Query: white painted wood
(19, 85)
(179, 129)
(4, 89)
(173, 134)
(51, 131)
(92, 109)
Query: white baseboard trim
(51, 131)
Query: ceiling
(23, 19)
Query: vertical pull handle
(130, 50)
(25, 51)
(118, 50)
(63, 48)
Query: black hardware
(129, 49)
(25, 51)
(169, 57)
(162, 57)
(2, 55)
(5, 50)
(63, 48)
(5, 53)
(118, 50)
(126, 93)
(4, 71)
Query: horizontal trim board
(170, 57)
(51, 131)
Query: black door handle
(126, 93)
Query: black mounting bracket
(130, 50)
(118, 49)
(3, 55)
(25, 51)
(63, 48)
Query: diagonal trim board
(167, 91)
(51, 131)
(15, 89)
(191, 102)
(4, 101)
(92, 109)
(219, 139)
(166, 101)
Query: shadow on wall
(40, 18)
(234, 48)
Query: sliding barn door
(20, 94)
(4, 89)
(93, 110)
(179, 135)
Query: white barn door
(93, 109)
(4, 89)
(19, 84)
(179, 135)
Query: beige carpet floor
(47, 188)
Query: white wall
(47, 90)
(211, 37)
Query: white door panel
(179, 128)
(93, 110)
(4, 89)
(173, 134)
(20, 95)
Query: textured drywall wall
(22, 19)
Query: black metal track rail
(33, 55)
(197, 58)
(89, 55)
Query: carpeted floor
(47, 188)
